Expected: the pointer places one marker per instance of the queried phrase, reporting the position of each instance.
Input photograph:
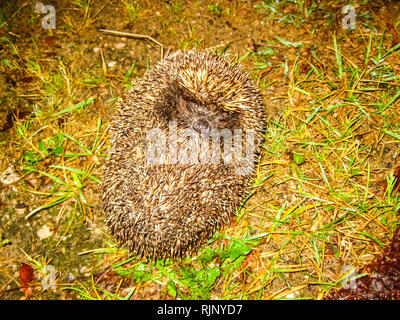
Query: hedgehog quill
(183, 147)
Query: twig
(135, 35)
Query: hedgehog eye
(225, 115)
(228, 120)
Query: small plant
(87, 20)
(175, 7)
(215, 9)
(134, 10)
(3, 241)
(83, 4)
(262, 58)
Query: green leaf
(267, 52)
(289, 44)
(298, 158)
(77, 107)
(236, 249)
(212, 275)
(74, 170)
(31, 158)
(171, 288)
(57, 151)
(42, 147)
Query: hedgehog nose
(201, 126)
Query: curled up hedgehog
(184, 144)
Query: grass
(134, 10)
(324, 196)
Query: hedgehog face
(201, 116)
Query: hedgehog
(184, 143)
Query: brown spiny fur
(169, 210)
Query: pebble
(44, 232)
(20, 210)
(8, 176)
(83, 269)
(291, 296)
(111, 64)
(119, 45)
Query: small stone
(119, 45)
(83, 269)
(111, 64)
(8, 176)
(44, 232)
(20, 210)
